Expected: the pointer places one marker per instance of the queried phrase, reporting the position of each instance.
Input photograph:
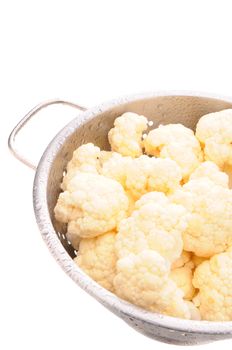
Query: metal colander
(92, 126)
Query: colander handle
(25, 120)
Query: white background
(88, 52)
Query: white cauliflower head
(146, 174)
(92, 205)
(177, 142)
(85, 155)
(214, 280)
(143, 174)
(96, 256)
(209, 229)
(155, 225)
(143, 280)
(182, 276)
(85, 158)
(214, 131)
(211, 171)
(126, 136)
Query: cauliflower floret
(105, 156)
(143, 279)
(152, 197)
(92, 205)
(126, 136)
(66, 209)
(214, 131)
(183, 260)
(85, 155)
(211, 171)
(85, 158)
(157, 225)
(209, 229)
(182, 276)
(115, 167)
(177, 142)
(214, 280)
(96, 256)
(145, 174)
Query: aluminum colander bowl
(92, 125)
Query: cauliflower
(177, 142)
(211, 171)
(214, 131)
(214, 280)
(155, 225)
(126, 136)
(129, 215)
(96, 256)
(182, 276)
(92, 205)
(150, 198)
(85, 158)
(86, 155)
(194, 311)
(115, 167)
(143, 279)
(209, 229)
(145, 174)
(183, 260)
